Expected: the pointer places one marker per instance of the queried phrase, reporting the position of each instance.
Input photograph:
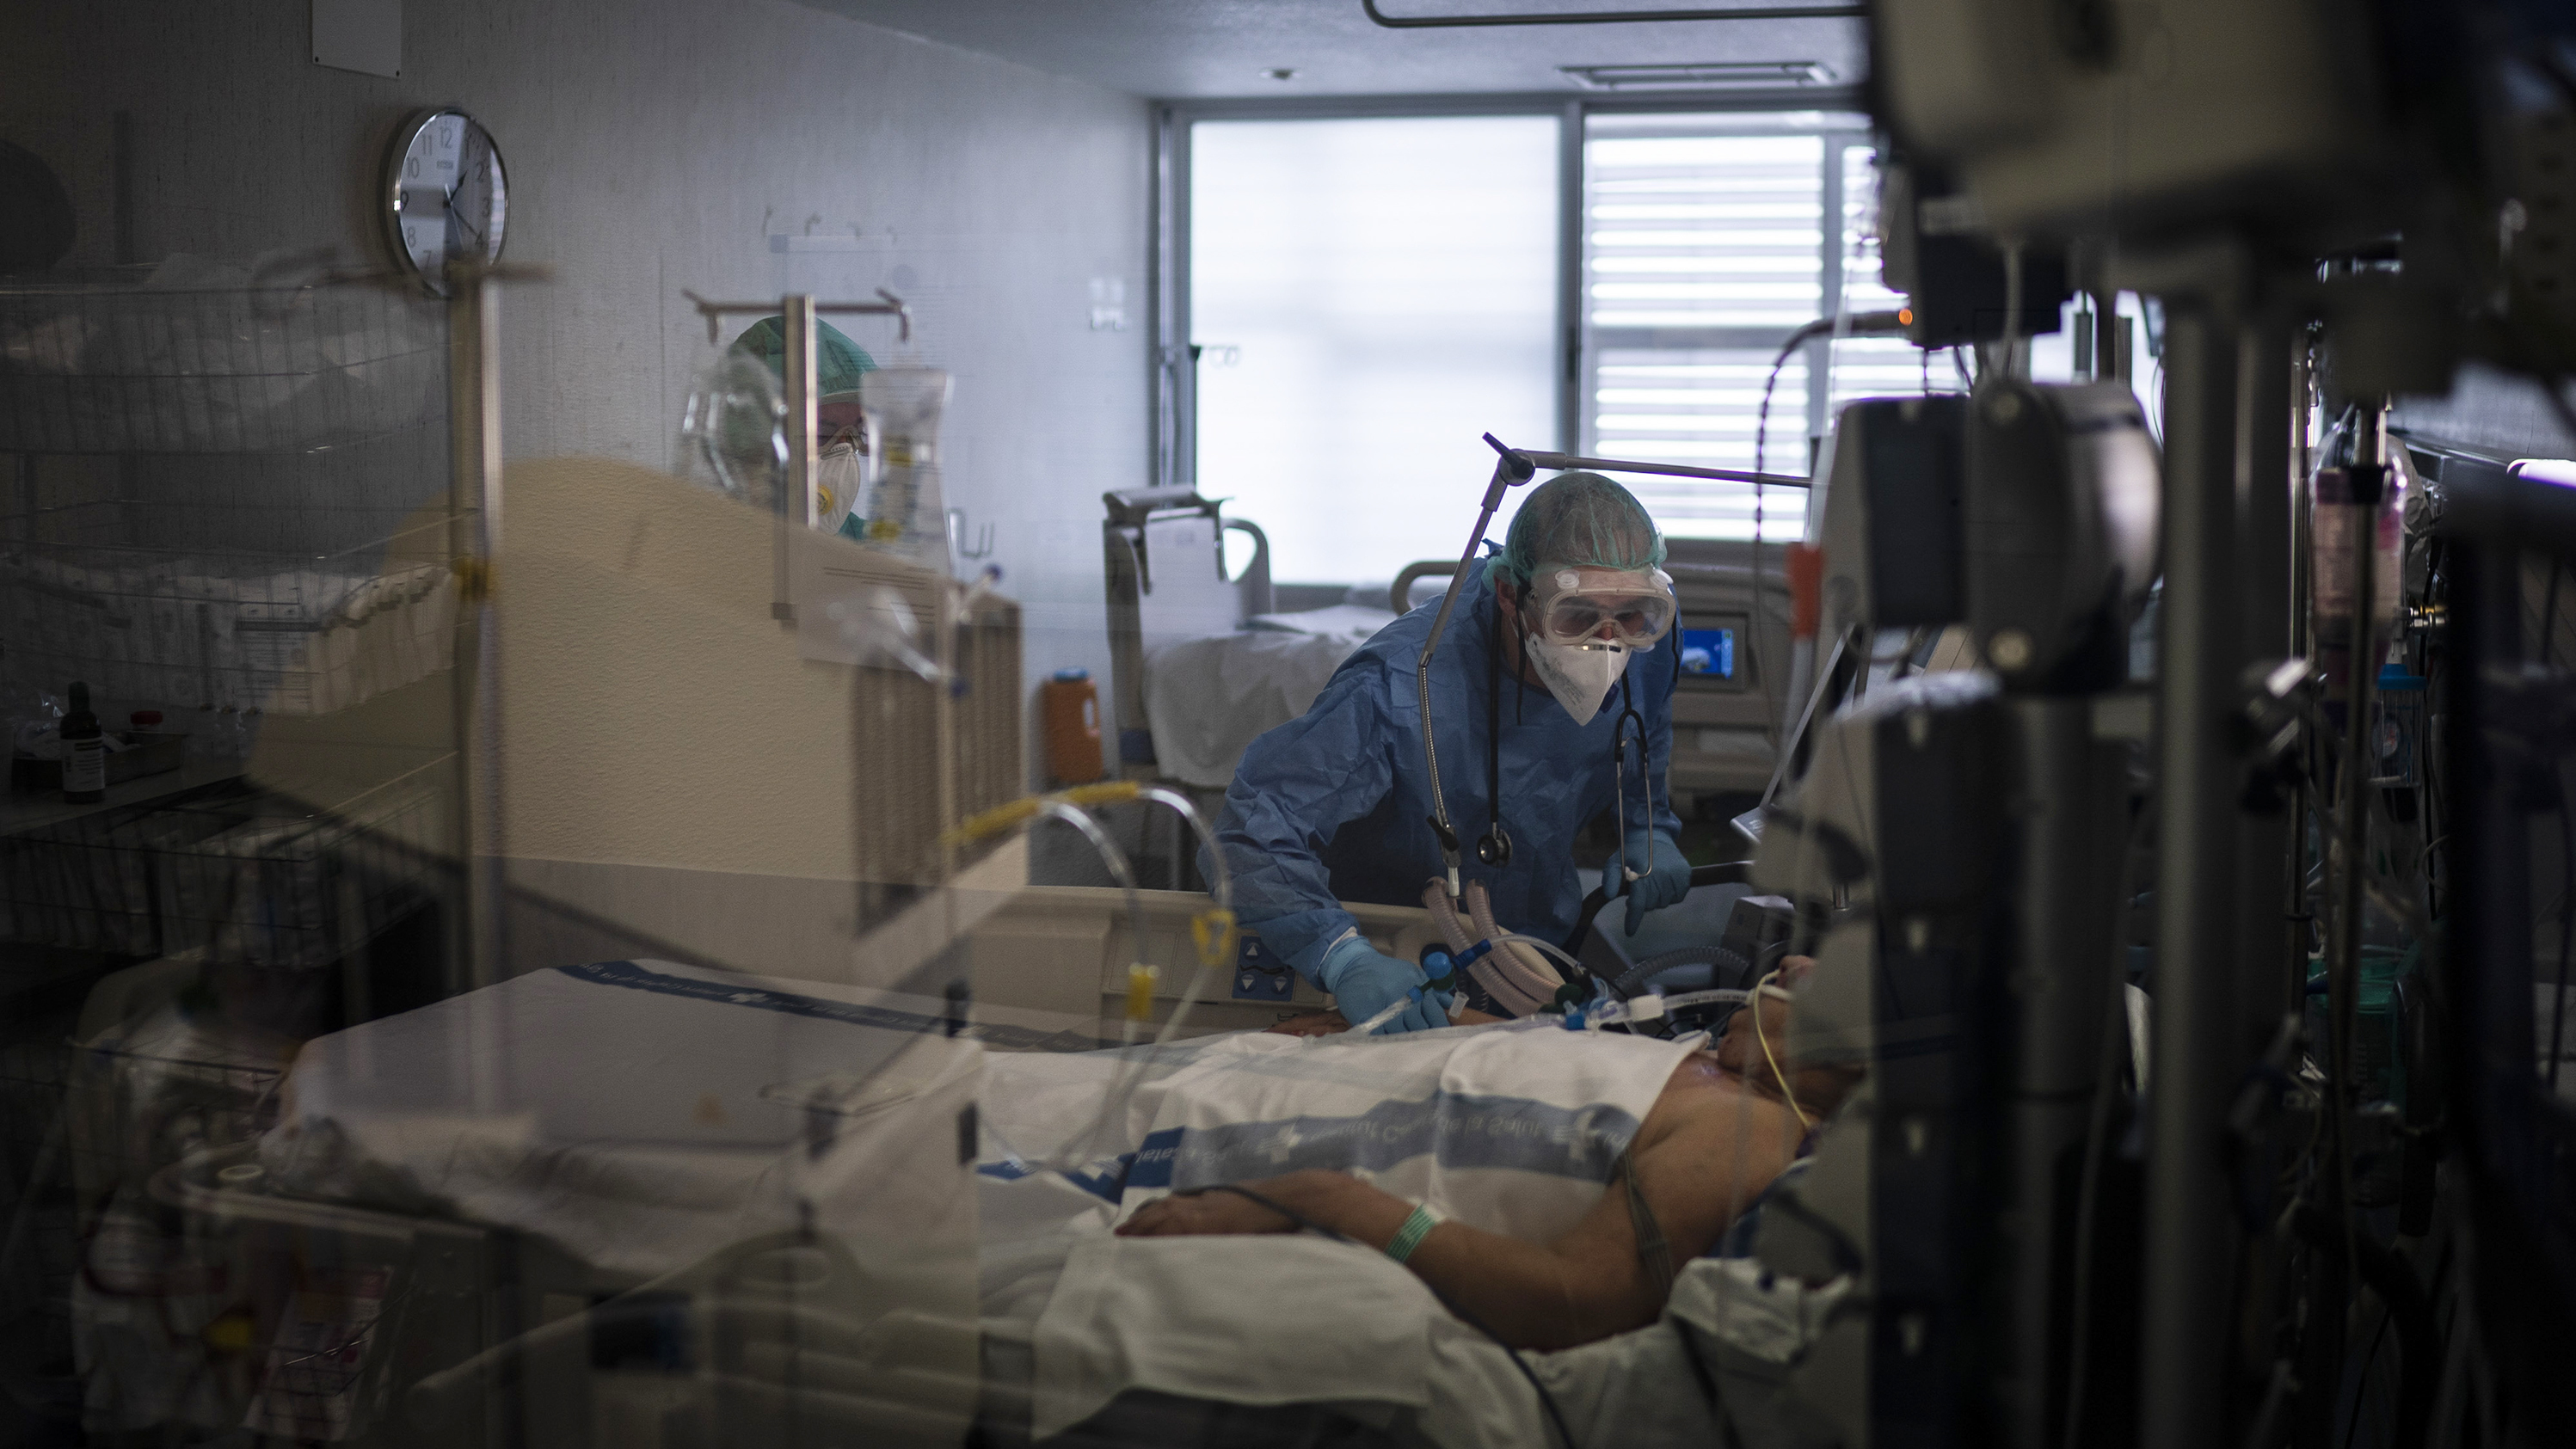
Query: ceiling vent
(1702, 75)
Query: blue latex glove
(1664, 886)
(1365, 981)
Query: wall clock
(444, 194)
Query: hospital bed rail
(449, 1330)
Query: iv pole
(798, 313)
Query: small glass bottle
(84, 751)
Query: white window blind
(1872, 366)
(1707, 241)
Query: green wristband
(1416, 1228)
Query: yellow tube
(1008, 816)
(1140, 991)
(1107, 792)
(1214, 931)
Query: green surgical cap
(837, 360)
(1579, 520)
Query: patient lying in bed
(1726, 1122)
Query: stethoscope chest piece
(1494, 847)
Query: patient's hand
(1313, 1023)
(1211, 1213)
(1331, 1023)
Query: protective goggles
(1602, 608)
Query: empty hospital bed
(1204, 660)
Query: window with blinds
(1707, 241)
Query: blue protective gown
(1335, 805)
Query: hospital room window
(1705, 244)
(1369, 297)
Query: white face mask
(1579, 678)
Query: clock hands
(482, 171)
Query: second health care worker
(1557, 648)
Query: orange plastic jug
(1070, 708)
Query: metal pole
(474, 418)
(2294, 950)
(1573, 366)
(2189, 1253)
(795, 500)
(2065, 894)
(2105, 323)
(2263, 603)
(1563, 461)
(2368, 480)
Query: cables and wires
(1850, 324)
(2106, 1083)
(1761, 438)
(1213, 931)
(2012, 299)
(1762, 990)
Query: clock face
(447, 194)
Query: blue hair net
(838, 361)
(1579, 520)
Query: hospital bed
(1203, 660)
(630, 1201)
(636, 1200)
(739, 1210)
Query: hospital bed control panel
(1260, 974)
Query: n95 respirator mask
(1578, 676)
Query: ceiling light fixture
(1700, 75)
(1281, 73)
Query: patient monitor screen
(1708, 651)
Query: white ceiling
(1198, 49)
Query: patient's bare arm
(1707, 1149)
(1718, 1134)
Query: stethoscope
(1494, 847)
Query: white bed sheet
(1512, 1128)
(642, 1114)
(631, 1111)
(1346, 1327)
(1206, 699)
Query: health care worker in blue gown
(1557, 645)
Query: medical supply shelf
(225, 495)
(247, 876)
(131, 367)
(180, 628)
